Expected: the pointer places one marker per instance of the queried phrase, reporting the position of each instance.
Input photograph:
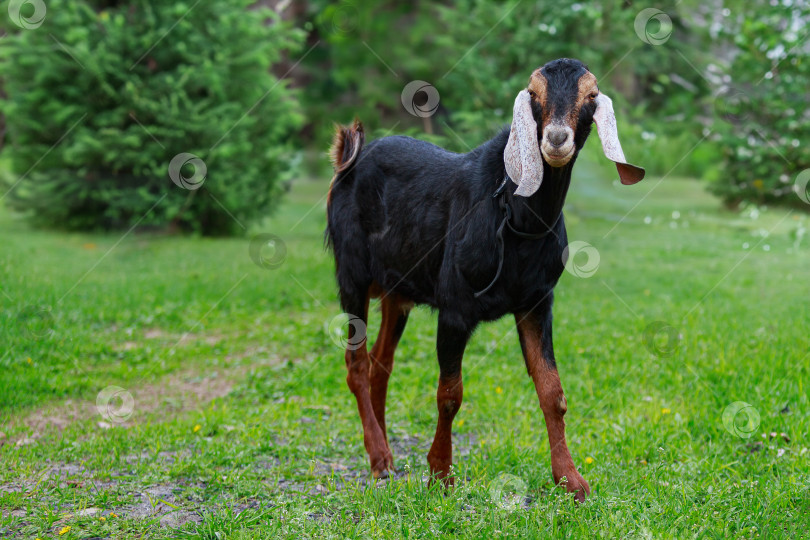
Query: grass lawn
(169, 387)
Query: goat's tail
(346, 146)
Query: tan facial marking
(586, 88)
(537, 86)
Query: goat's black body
(421, 221)
(414, 223)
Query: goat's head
(552, 120)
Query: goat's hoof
(443, 475)
(380, 475)
(382, 466)
(447, 481)
(576, 484)
(440, 470)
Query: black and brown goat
(413, 223)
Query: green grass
(242, 425)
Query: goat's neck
(540, 211)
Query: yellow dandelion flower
(498, 390)
(102, 518)
(113, 514)
(29, 360)
(197, 428)
(460, 423)
(665, 411)
(64, 530)
(588, 460)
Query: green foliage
(477, 60)
(695, 103)
(762, 119)
(372, 49)
(528, 36)
(101, 99)
(600, 34)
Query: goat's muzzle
(557, 145)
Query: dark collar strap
(528, 236)
(507, 222)
(507, 210)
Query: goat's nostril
(557, 137)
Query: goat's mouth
(557, 144)
(557, 157)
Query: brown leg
(394, 317)
(358, 364)
(448, 399)
(538, 352)
(450, 344)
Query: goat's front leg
(534, 330)
(450, 344)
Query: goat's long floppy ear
(522, 154)
(606, 128)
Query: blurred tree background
(715, 90)
(104, 94)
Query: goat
(475, 236)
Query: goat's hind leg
(395, 311)
(359, 367)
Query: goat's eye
(592, 95)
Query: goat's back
(394, 212)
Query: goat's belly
(406, 270)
